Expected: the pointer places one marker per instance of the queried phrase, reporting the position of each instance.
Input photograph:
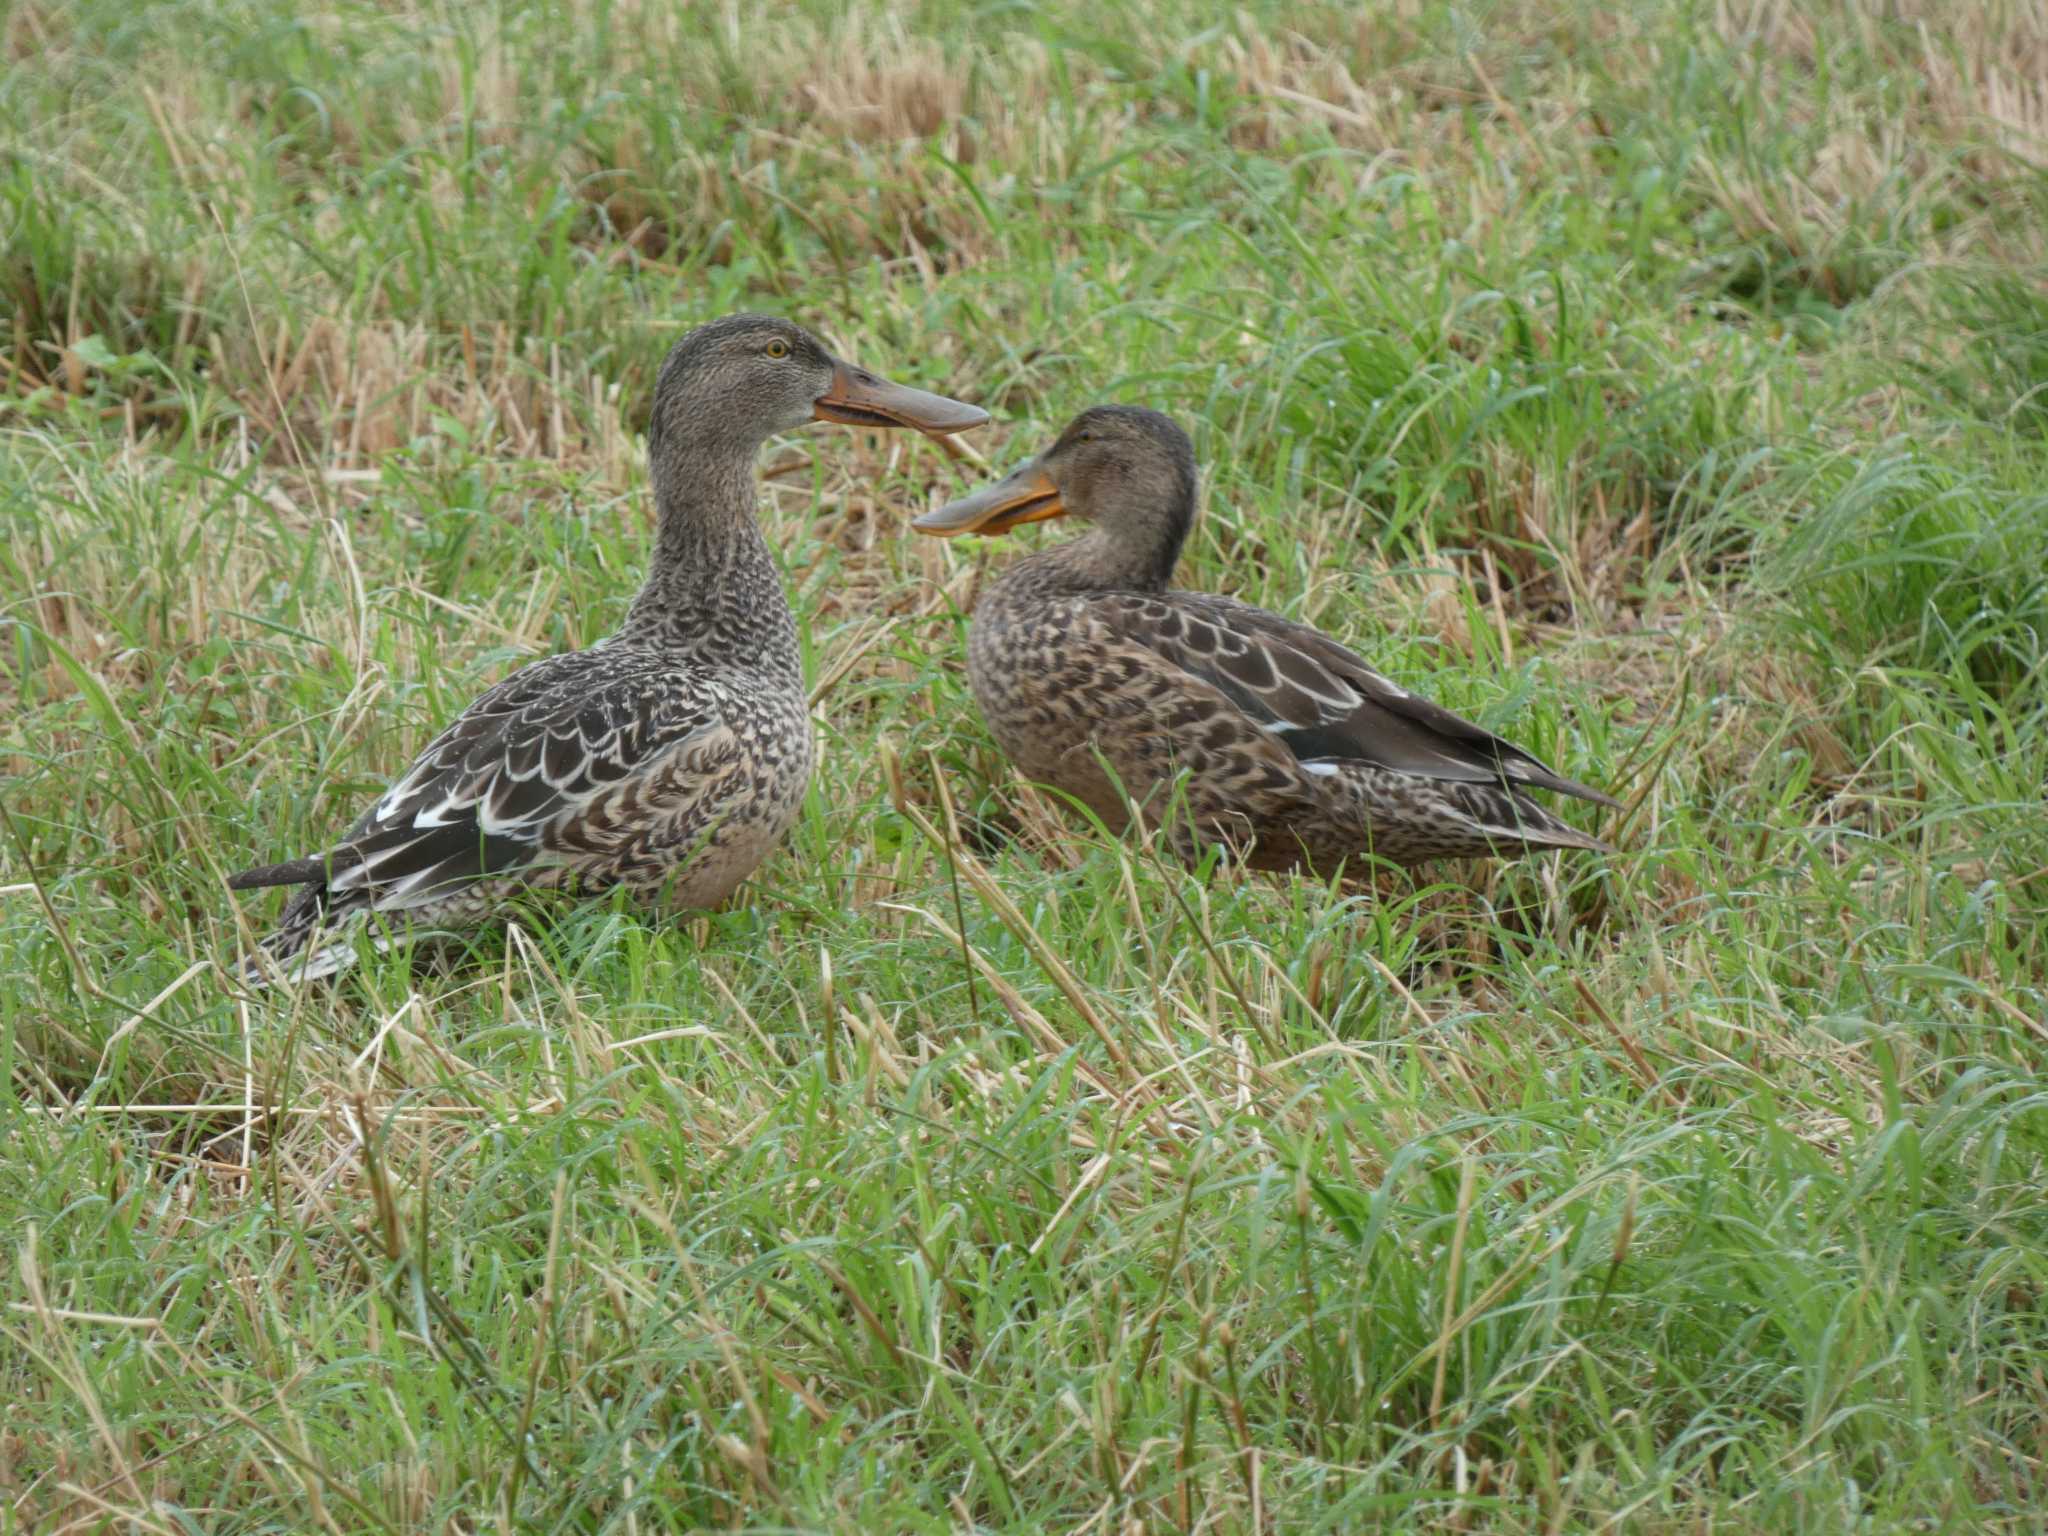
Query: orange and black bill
(1025, 496)
(863, 399)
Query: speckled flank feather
(672, 756)
(1099, 680)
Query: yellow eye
(778, 348)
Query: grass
(1662, 386)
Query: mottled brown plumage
(672, 755)
(1098, 679)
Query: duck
(668, 758)
(1226, 724)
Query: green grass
(1662, 388)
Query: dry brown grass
(855, 101)
(1972, 76)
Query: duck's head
(1129, 471)
(738, 381)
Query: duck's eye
(1085, 437)
(777, 348)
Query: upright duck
(1296, 753)
(674, 753)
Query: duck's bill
(1028, 496)
(863, 399)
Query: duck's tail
(1514, 820)
(311, 956)
(314, 936)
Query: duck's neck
(712, 586)
(1098, 562)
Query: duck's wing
(505, 788)
(1317, 698)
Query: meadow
(1664, 385)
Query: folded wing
(1319, 699)
(501, 792)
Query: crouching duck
(1099, 679)
(673, 754)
